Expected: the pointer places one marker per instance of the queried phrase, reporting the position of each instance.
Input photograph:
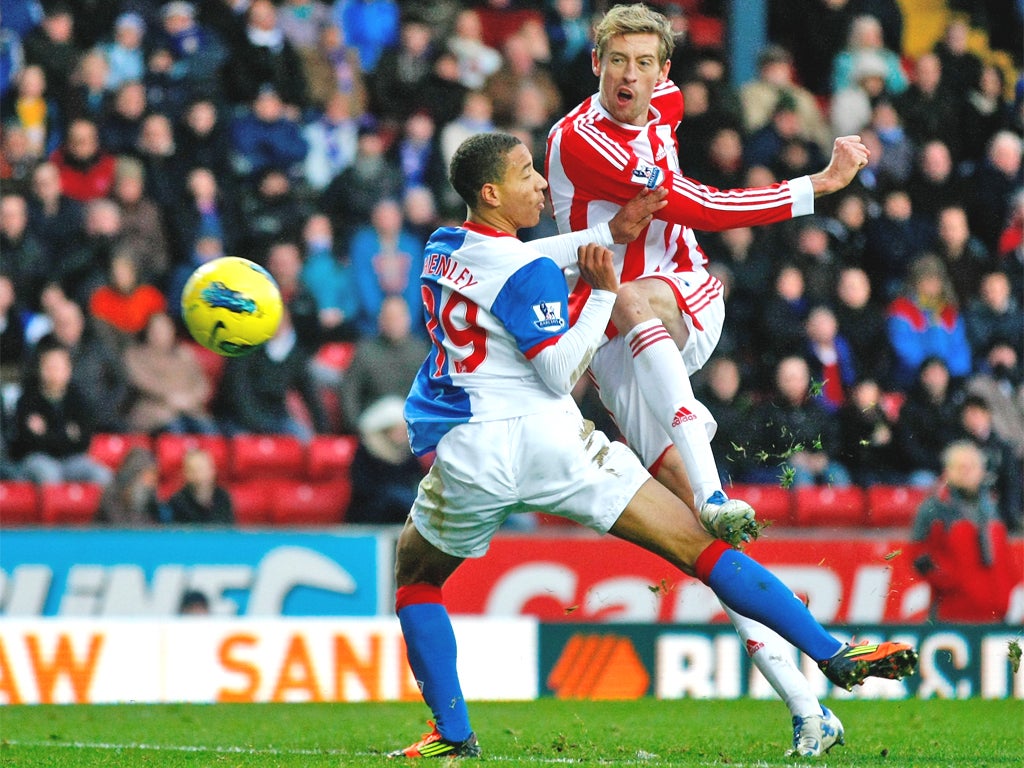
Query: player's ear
(595, 63)
(663, 75)
(490, 196)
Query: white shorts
(703, 310)
(552, 462)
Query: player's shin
(773, 658)
(751, 590)
(669, 395)
(430, 647)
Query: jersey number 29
(459, 328)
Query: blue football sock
(430, 643)
(749, 588)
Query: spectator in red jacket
(124, 305)
(86, 171)
(959, 544)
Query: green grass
(547, 732)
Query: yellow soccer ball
(231, 305)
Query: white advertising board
(63, 661)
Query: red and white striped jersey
(595, 164)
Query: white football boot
(731, 520)
(817, 734)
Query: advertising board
(626, 661)
(202, 659)
(587, 578)
(146, 573)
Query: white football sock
(669, 394)
(773, 657)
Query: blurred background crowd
(141, 139)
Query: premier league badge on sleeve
(648, 175)
(548, 316)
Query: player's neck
(492, 220)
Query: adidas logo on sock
(683, 414)
(753, 646)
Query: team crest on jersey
(548, 316)
(648, 175)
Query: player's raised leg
(654, 330)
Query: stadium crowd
(141, 139)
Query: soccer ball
(231, 306)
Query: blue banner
(146, 573)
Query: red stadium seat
(820, 505)
(19, 503)
(70, 503)
(251, 502)
(894, 505)
(328, 457)
(266, 456)
(335, 355)
(772, 503)
(111, 449)
(171, 449)
(298, 503)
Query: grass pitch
(542, 733)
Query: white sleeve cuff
(803, 196)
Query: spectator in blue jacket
(370, 27)
(386, 259)
(125, 52)
(21, 16)
(266, 138)
(332, 138)
(330, 279)
(12, 59)
(926, 322)
(196, 53)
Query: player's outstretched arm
(849, 155)
(623, 227)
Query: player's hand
(849, 155)
(597, 268)
(635, 215)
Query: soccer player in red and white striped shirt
(669, 311)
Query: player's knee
(631, 307)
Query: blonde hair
(930, 265)
(634, 19)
